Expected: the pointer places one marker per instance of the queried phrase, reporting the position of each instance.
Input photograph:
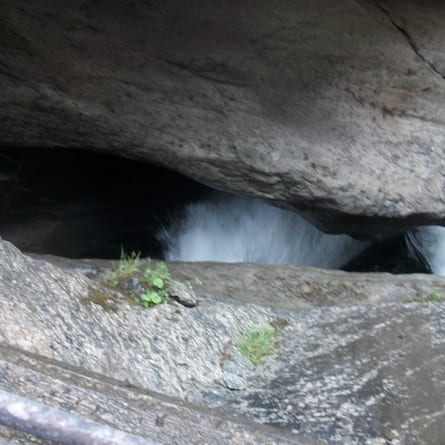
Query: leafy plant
(158, 275)
(256, 345)
(437, 296)
(157, 283)
(150, 298)
(147, 288)
(127, 267)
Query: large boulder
(359, 359)
(333, 108)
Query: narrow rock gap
(80, 204)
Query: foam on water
(231, 229)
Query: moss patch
(256, 345)
(107, 300)
(437, 297)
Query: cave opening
(82, 204)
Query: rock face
(333, 108)
(369, 372)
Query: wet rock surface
(333, 109)
(367, 371)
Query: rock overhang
(332, 107)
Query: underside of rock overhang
(333, 108)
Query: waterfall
(427, 243)
(228, 228)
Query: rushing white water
(428, 243)
(231, 229)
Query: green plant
(147, 288)
(437, 296)
(150, 298)
(157, 283)
(158, 275)
(256, 345)
(127, 267)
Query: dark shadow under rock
(391, 255)
(76, 203)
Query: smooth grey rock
(332, 108)
(183, 293)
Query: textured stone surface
(127, 408)
(282, 287)
(344, 373)
(330, 107)
(370, 374)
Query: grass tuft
(256, 345)
(145, 288)
(127, 267)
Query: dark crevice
(391, 255)
(407, 36)
(75, 203)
